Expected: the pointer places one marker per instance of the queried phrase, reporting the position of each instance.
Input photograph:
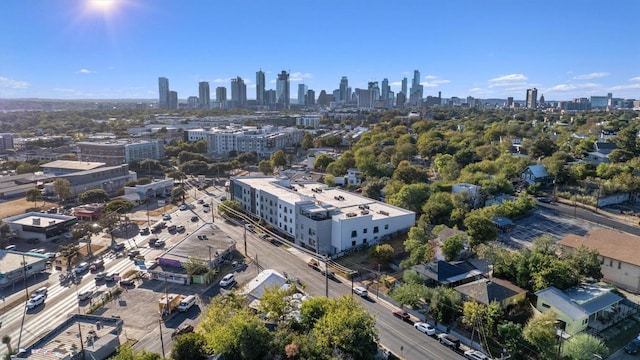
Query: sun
(102, 5)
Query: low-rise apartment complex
(325, 220)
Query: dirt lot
(16, 207)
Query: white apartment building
(325, 220)
(309, 120)
(264, 141)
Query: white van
(187, 303)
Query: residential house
(618, 252)
(601, 152)
(452, 273)
(581, 307)
(536, 174)
(486, 291)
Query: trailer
(169, 302)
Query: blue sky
(108, 49)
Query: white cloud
(253, 86)
(508, 80)
(594, 75)
(63, 90)
(429, 77)
(13, 84)
(434, 83)
(85, 71)
(220, 80)
(299, 76)
(396, 83)
(572, 87)
(480, 91)
(625, 87)
(272, 81)
(637, 78)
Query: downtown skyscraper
(302, 93)
(238, 92)
(260, 88)
(204, 96)
(415, 98)
(532, 98)
(283, 91)
(163, 90)
(344, 90)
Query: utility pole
(378, 287)
(161, 339)
(326, 276)
(245, 239)
(81, 342)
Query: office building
(404, 86)
(415, 98)
(260, 88)
(120, 151)
(323, 99)
(532, 98)
(374, 91)
(309, 121)
(173, 100)
(364, 98)
(163, 89)
(193, 102)
(302, 91)
(270, 97)
(264, 141)
(401, 98)
(6, 142)
(310, 100)
(221, 94)
(344, 90)
(283, 92)
(600, 102)
(238, 92)
(510, 102)
(203, 95)
(316, 217)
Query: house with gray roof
(486, 291)
(452, 273)
(582, 306)
(536, 174)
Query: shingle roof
(539, 171)
(611, 244)
(562, 302)
(487, 291)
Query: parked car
(10, 247)
(475, 355)
(184, 329)
(85, 295)
(118, 247)
(159, 243)
(82, 267)
(227, 280)
(359, 290)
(127, 282)
(172, 228)
(633, 347)
(96, 265)
(201, 201)
(35, 302)
(403, 315)
(423, 327)
(180, 228)
(144, 231)
(111, 276)
(205, 205)
(167, 217)
(152, 240)
(101, 276)
(183, 207)
(194, 218)
(449, 340)
(133, 252)
(41, 291)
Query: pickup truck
(96, 265)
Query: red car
(401, 314)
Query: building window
(285, 218)
(545, 306)
(610, 262)
(353, 243)
(354, 233)
(619, 265)
(364, 231)
(364, 241)
(375, 230)
(386, 226)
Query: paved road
(589, 215)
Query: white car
(359, 290)
(41, 291)
(475, 355)
(166, 217)
(35, 302)
(183, 207)
(425, 328)
(82, 267)
(227, 280)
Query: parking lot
(542, 222)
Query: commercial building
(120, 151)
(155, 189)
(532, 98)
(302, 92)
(6, 142)
(173, 100)
(283, 91)
(78, 337)
(108, 178)
(309, 121)
(415, 97)
(62, 167)
(41, 226)
(221, 96)
(204, 97)
(238, 93)
(14, 264)
(325, 220)
(15, 186)
(163, 89)
(260, 87)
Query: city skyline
(117, 49)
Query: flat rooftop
(37, 219)
(192, 246)
(346, 202)
(73, 165)
(11, 260)
(65, 339)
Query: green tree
(6, 339)
(120, 206)
(127, 353)
(322, 161)
(278, 159)
(480, 229)
(452, 246)
(411, 294)
(438, 208)
(410, 197)
(586, 263)
(510, 334)
(307, 141)
(382, 254)
(540, 331)
(444, 304)
(330, 180)
(195, 266)
(276, 304)
(93, 196)
(265, 167)
(34, 195)
(190, 346)
(62, 188)
(420, 247)
(230, 208)
(584, 347)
